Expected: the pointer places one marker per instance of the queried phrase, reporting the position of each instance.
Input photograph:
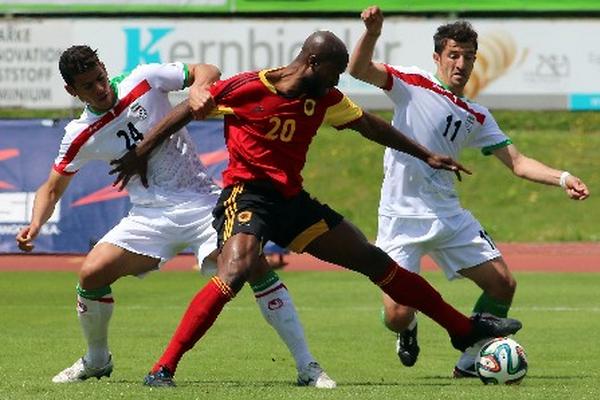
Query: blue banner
(90, 206)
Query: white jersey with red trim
(442, 122)
(175, 174)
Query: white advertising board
(521, 63)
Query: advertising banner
(91, 205)
(521, 63)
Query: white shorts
(454, 243)
(162, 233)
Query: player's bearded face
(325, 76)
(92, 87)
(455, 64)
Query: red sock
(198, 318)
(410, 289)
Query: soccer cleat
(80, 371)
(407, 347)
(465, 366)
(486, 326)
(161, 378)
(468, 372)
(313, 375)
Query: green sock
(490, 305)
(265, 281)
(93, 294)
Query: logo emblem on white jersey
(138, 110)
(469, 123)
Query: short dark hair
(459, 31)
(76, 60)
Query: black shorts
(257, 208)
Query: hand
(575, 188)
(201, 102)
(439, 161)
(25, 238)
(128, 166)
(373, 19)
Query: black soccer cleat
(486, 326)
(460, 373)
(407, 347)
(161, 378)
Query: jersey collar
(113, 86)
(263, 78)
(442, 84)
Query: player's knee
(92, 276)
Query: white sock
(94, 317)
(278, 309)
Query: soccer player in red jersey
(271, 117)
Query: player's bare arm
(135, 161)
(46, 198)
(200, 78)
(535, 171)
(361, 64)
(377, 130)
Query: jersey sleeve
(490, 137)
(342, 112)
(69, 160)
(166, 77)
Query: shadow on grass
(286, 384)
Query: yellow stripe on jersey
(307, 236)
(342, 113)
(221, 110)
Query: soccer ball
(501, 361)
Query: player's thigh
(107, 262)
(239, 255)
(346, 245)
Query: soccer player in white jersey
(419, 211)
(171, 208)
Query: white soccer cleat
(465, 366)
(313, 375)
(80, 372)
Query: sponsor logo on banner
(138, 51)
(550, 68)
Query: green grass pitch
(241, 357)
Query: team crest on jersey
(469, 122)
(244, 217)
(309, 107)
(138, 110)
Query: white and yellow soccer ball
(501, 361)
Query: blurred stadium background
(537, 60)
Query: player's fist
(373, 19)
(575, 188)
(201, 103)
(25, 239)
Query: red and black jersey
(267, 134)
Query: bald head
(325, 46)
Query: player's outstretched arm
(46, 198)
(377, 130)
(535, 171)
(361, 64)
(134, 162)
